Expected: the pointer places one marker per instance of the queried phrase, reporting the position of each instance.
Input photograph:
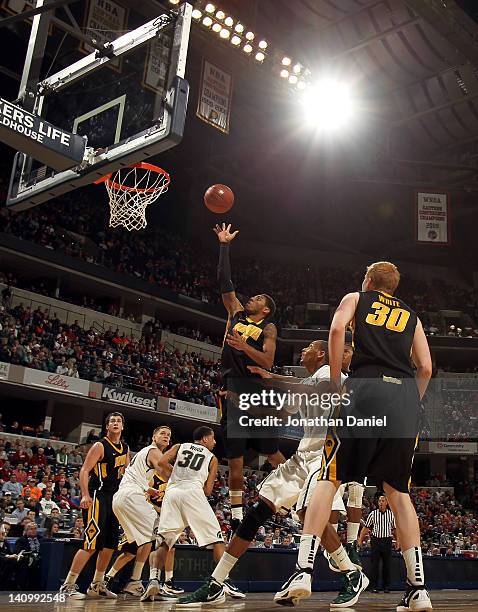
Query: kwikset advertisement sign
(39, 139)
(128, 397)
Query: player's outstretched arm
(279, 377)
(208, 486)
(422, 359)
(342, 317)
(264, 358)
(164, 465)
(95, 454)
(226, 287)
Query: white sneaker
(152, 590)
(232, 590)
(416, 598)
(72, 591)
(299, 586)
(99, 590)
(135, 588)
(171, 589)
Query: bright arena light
(217, 27)
(229, 21)
(196, 14)
(286, 61)
(250, 35)
(236, 40)
(224, 33)
(247, 48)
(220, 15)
(328, 104)
(293, 79)
(284, 73)
(210, 8)
(262, 44)
(207, 21)
(260, 57)
(239, 28)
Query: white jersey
(139, 473)
(191, 468)
(314, 434)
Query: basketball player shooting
(386, 333)
(250, 340)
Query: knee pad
(355, 495)
(255, 517)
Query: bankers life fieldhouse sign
(39, 139)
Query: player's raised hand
(86, 502)
(224, 233)
(257, 370)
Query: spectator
(20, 474)
(267, 542)
(62, 457)
(13, 487)
(91, 437)
(50, 452)
(28, 549)
(74, 458)
(47, 504)
(39, 458)
(20, 512)
(288, 542)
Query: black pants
(381, 549)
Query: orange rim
(143, 166)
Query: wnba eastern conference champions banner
(432, 217)
(215, 97)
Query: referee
(381, 524)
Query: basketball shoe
(416, 598)
(210, 593)
(299, 586)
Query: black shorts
(101, 524)
(237, 440)
(374, 454)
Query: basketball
(219, 198)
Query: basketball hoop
(131, 190)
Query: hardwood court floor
(449, 601)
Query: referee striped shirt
(381, 523)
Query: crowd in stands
(169, 261)
(33, 339)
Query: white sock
(342, 559)
(137, 570)
(352, 532)
(335, 526)
(309, 545)
(71, 578)
(414, 563)
(112, 573)
(153, 573)
(236, 508)
(168, 575)
(99, 576)
(223, 568)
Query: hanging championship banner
(215, 97)
(105, 21)
(432, 217)
(156, 67)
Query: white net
(131, 190)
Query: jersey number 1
(191, 460)
(395, 319)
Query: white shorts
(283, 485)
(188, 508)
(136, 515)
(293, 482)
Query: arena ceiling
(417, 61)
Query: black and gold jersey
(158, 483)
(383, 331)
(234, 363)
(107, 473)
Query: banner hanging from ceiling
(432, 218)
(215, 97)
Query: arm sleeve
(224, 269)
(369, 521)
